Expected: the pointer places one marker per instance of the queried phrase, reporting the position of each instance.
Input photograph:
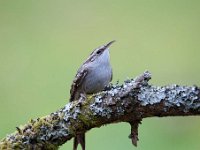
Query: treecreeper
(92, 77)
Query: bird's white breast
(99, 74)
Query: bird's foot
(82, 97)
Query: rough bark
(130, 102)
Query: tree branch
(130, 102)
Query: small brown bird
(92, 77)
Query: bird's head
(101, 53)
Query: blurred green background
(43, 43)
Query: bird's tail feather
(79, 139)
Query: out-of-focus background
(43, 43)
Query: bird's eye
(99, 51)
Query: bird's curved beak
(108, 45)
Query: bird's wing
(82, 72)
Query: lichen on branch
(129, 102)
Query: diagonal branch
(130, 102)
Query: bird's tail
(79, 139)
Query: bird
(93, 76)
